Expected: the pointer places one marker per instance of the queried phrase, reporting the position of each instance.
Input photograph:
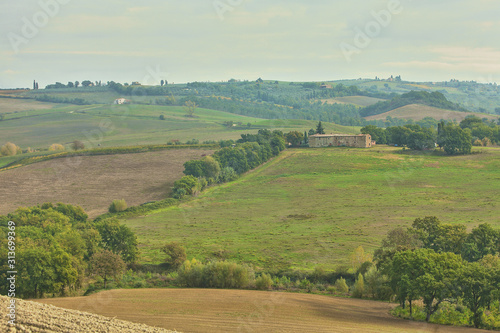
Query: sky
(216, 40)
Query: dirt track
(93, 182)
(208, 310)
(37, 317)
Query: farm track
(209, 310)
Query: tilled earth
(38, 317)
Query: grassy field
(359, 101)
(16, 106)
(93, 182)
(313, 207)
(120, 125)
(419, 112)
(205, 310)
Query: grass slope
(206, 310)
(311, 207)
(419, 112)
(122, 125)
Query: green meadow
(125, 125)
(313, 207)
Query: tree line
(227, 163)
(57, 248)
(454, 139)
(441, 263)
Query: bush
(227, 174)
(341, 286)
(176, 254)
(77, 145)
(10, 149)
(56, 146)
(217, 274)
(264, 282)
(117, 206)
(358, 289)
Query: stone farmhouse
(340, 140)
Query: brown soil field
(37, 317)
(209, 310)
(8, 105)
(356, 100)
(93, 182)
(419, 112)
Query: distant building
(325, 86)
(340, 140)
(121, 101)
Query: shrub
(77, 145)
(162, 117)
(176, 254)
(264, 282)
(341, 286)
(217, 274)
(56, 146)
(189, 184)
(117, 206)
(227, 174)
(10, 149)
(358, 289)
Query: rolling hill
(418, 112)
(313, 207)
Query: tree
(162, 83)
(358, 289)
(457, 140)
(70, 84)
(358, 257)
(176, 254)
(107, 264)
(188, 185)
(207, 167)
(476, 285)
(377, 133)
(294, 138)
(341, 286)
(118, 238)
(10, 149)
(77, 145)
(320, 129)
(481, 241)
(190, 107)
(311, 132)
(77, 84)
(426, 274)
(86, 83)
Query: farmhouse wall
(340, 140)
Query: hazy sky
(213, 40)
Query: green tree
(341, 286)
(190, 107)
(117, 206)
(188, 184)
(377, 133)
(176, 254)
(429, 275)
(294, 138)
(107, 264)
(118, 238)
(476, 284)
(481, 241)
(320, 129)
(457, 140)
(358, 289)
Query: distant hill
(434, 99)
(418, 112)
